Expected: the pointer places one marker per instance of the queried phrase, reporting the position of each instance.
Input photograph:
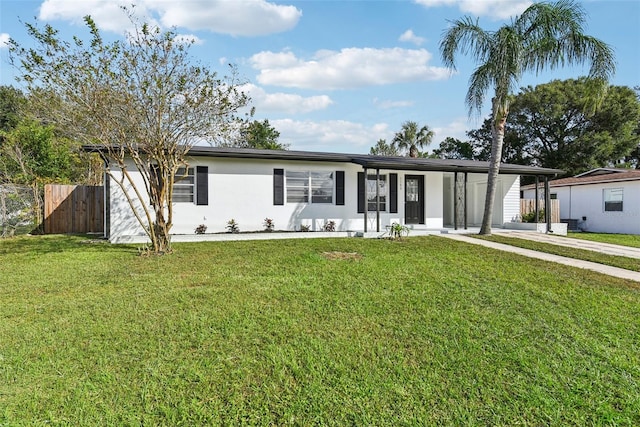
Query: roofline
(364, 160)
(573, 184)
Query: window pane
(613, 198)
(297, 187)
(183, 187)
(371, 192)
(322, 187)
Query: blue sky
(334, 75)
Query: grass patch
(632, 240)
(582, 254)
(426, 332)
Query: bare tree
(141, 102)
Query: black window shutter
(393, 193)
(202, 185)
(362, 188)
(278, 186)
(340, 188)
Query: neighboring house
(603, 200)
(297, 188)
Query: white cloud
(238, 18)
(285, 102)
(456, 129)
(4, 40)
(387, 104)
(494, 9)
(409, 36)
(330, 135)
(348, 68)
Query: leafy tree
(11, 102)
(561, 132)
(514, 145)
(262, 135)
(452, 148)
(383, 149)
(544, 36)
(141, 102)
(411, 137)
(32, 155)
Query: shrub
(232, 226)
(329, 226)
(268, 224)
(531, 216)
(305, 227)
(396, 230)
(201, 229)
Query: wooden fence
(73, 209)
(529, 205)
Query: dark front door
(414, 199)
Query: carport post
(377, 200)
(537, 196)
(465, 199)
(455, 200)
(366, 202)
(547, 203)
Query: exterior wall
(580, 201)
(242, 189)
(506, 199)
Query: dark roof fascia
(446, 165)
(366, 161)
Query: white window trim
(604, 198)
(309, 186)
(180, 182)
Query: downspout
(465, 199)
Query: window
(553, 196)
(183, 186)
(371, 192)
(302, 184)
(612, 199)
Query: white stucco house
(603, 200)
(298, 189)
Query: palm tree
(411, 137)
(545, 36)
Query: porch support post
(465, 198)
(547, 203)
(537, 204)
(455, 200)
(378, 200)
(366, 201)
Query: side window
(613, 198)
(309, 187)
(297, 187)
(183, 187)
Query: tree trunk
(413, 151)
(497, 131)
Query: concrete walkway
(600, 268)
(605, 248)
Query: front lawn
(627, 263)
(426, 331)
(632, 240)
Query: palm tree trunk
(497, 131)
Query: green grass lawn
(627, 263)
(632, 240)
(426, 331)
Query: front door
(414, 199)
